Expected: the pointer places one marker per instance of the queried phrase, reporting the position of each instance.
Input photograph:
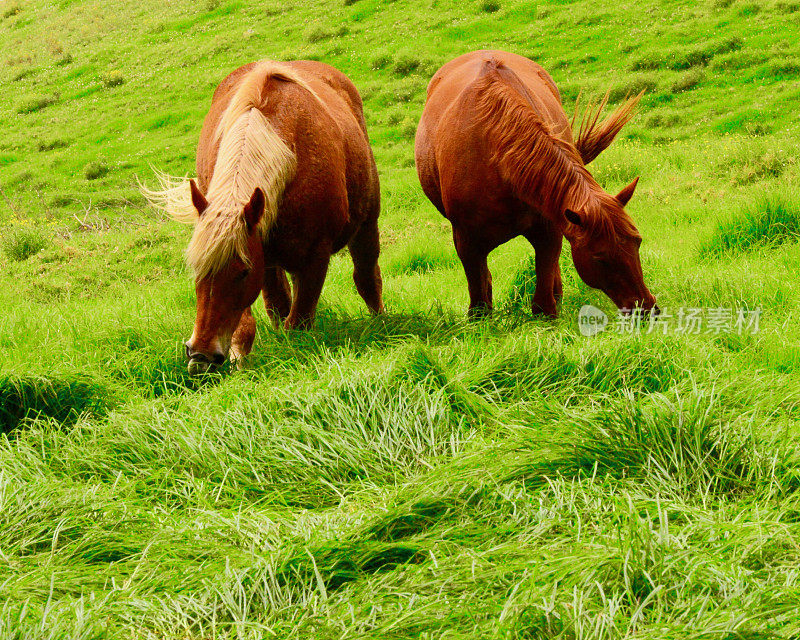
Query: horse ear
(624, 196)
(198, 199)
(254, 209)
(573, 217)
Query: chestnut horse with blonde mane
(496, 155)
(285, 178)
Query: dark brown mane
(539, 166)
(592, 137)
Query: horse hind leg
(307, 289)
(277, 294)
(364, 250)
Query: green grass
(23, 243)
(415, 475)
(417, 260)
(769, 221)
(62, 400)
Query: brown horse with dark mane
(496, 155)
(285, 178)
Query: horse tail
(593, 137)
(172, 196)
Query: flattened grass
(62, 399)
(415, 475)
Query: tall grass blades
(21, 244)
(416, 475)
(62, 399)
(770, 221)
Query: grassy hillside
(413, 476)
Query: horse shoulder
(336, 80)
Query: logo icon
(591, 320)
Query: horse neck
(560, 184)
(544, 171)
(251, 154)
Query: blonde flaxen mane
(251, 155)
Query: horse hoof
(476, 314)
(240, 363)
(539, 312)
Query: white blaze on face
(591, 320)
(216, 344)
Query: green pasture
(414, 475)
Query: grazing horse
(285, 178)
(496, 156)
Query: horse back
(335, 187)
(456, 79)
(452, 148)
(340, 102)
(338, 81)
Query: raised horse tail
(593, 137)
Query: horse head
(605, 249)
(226, 286)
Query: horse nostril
(203, 362)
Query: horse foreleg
(558, 287)
(364, 250)
(307, 289)
(479, 279)
(547, 245)
(243, 337)
(277, 295)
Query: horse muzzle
(647, 308)
(200, 363)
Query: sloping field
(416, 475)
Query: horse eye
(242, 275)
